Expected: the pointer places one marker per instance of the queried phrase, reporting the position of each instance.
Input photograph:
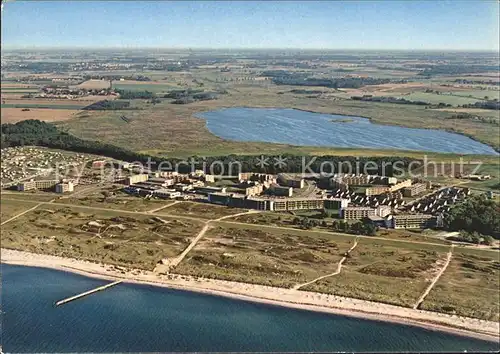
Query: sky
(389, 24)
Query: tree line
(360, 227)
(476, 215)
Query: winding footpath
(339, 268)
(168, 264)
(438, 275)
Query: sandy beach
(486, 330)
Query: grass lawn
(455, 99)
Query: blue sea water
(295, 127)
(131, 317)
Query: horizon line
(187, 48)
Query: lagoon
(131, 317)
(296, 127)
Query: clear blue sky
(410, 24)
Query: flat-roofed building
(166, 193)
(400, 185)
(64, 187)
(306, 204)
(376, 190)
(146, 185)
(254, 190)
(383, 211)
(259, 177)
(357, 213)
(26, 186)
(259, 204)
(414, 221)
(356, 180)
(168, 174)
(219, 198)
(98, 164)
(281, 191)
(182, 187)
(164, 182)
(392, 180)
(286, 204)
(337, 182)
(237, 201)
(42, 184)
(336, 203)
(141, 177)
(414, 189)
(207, 190)
(287, 181)
(209, 178)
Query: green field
(155, 88)
(434, 98)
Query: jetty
(76, 297)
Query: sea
(141, 318)
(295, 127)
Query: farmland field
(155, 87)
(13, 115)
(94, 85)
(42, 106)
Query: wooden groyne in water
(76, 297)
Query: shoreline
(297, 299)
(370, 119)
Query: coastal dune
(481, 329)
